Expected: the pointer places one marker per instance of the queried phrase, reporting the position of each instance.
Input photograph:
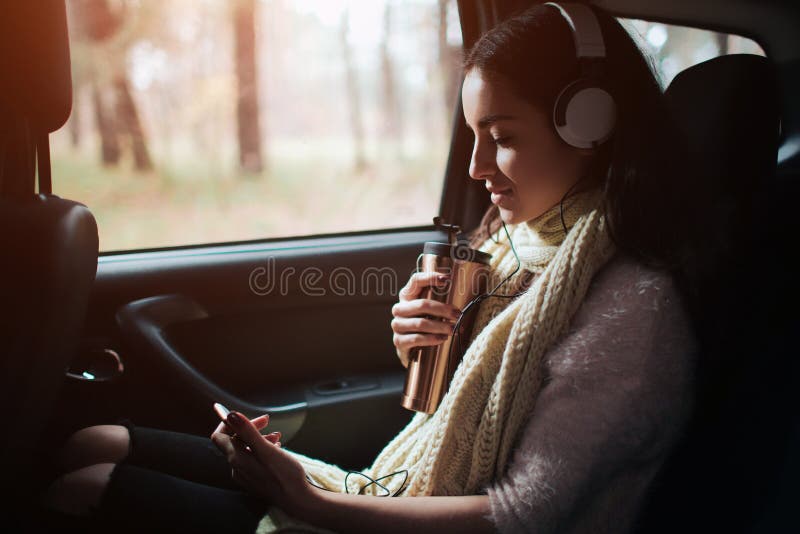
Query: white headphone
(584, 113)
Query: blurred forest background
(202, 121)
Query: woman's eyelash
(500, 140)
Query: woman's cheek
(508, 163)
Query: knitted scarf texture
(466, 443)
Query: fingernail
(443, 277)
(234, 418)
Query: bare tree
(393, 123)
(353, 94)
(74, 128)
(116, 113)
(106, 127)
(247, 109)
(78, 78)
(128, 117)
(448, 61)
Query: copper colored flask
(430, 369)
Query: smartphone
(222, 411)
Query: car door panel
(192, 327)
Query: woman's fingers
(418, 307)
(421, 322)
(240, 456)
(411, 332)
(223, 442)
(420, 281)
(222, 428)
(406, 342)
(274, 437)
(250, 467)
(246, 470)
(260, 422)
(249, 434)
(421, 325)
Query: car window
(203, 121)
(675, 48)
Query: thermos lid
(459, 252)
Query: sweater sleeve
(616, 396)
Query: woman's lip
(505, 191)
(501, 198)
(499, 190)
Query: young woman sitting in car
(569, 396)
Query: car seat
(716, 477)
(49, 244)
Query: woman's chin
(508, 216)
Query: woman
(572, 389)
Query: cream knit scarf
(465, 445)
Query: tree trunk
(353, 96)
(248, 131)
(98, 22)
(392, 118)
(447, 63)
(74, 125)
(109, 143)
(128, 117)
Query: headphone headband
(584, 112)
(585, 29)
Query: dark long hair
(652, 202)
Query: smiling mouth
(497, 191)
(501, 196)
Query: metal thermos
(430, 369)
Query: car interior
(158, 335)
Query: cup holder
(96, 365)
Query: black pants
(175, 482)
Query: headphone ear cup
(584, 114)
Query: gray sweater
(617, 395)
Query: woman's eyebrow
(488, 120)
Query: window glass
(200, 121)
(674, 48)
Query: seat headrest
(728, 107)
(35, 80)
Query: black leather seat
(49, 245)
(50, 258)
(716, 478)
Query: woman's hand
(410, 326)
(259, 422)
(261, 466)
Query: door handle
(145, 321)
(96, 365)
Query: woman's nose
(482, 165)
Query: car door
(293, 320)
